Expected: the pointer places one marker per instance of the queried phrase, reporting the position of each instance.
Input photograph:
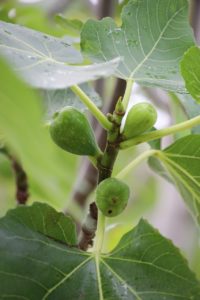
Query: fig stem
(157, 134)
(134, 163)
(105, 123)
(127, 94)
(99, 233)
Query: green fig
(71, 131)
(141, 117)
(112, 197)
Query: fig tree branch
(21, 179)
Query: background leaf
(42, 59)
(55, 100)
(190, 107)
(157, 166)
(190, 68)
(36, 47)
(143, 266)
(72, 26)
(182, 161)
(150, 47)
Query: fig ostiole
(112, 197)
(141, 117)
(71, 131)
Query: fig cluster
(71, 131)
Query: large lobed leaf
(144, 266)
(44, 61)
(41, 60)
(42, 218)
(151, 42)
(190, 68)
(182, 162)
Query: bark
(195, 18)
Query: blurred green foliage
(31, 16)
(50, 170)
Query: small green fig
(112, 196)
(140, 118)
(71, 131)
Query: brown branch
(21, 180)
(22, 193)
(88, 228)
(106, 8)
(195, 18)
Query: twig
(22, 193)
(21, 179)
(106, 8)
(195, 18)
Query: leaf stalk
(133, 164)
(154, 135)
(127, 95)
(105, 123)
(99, 233)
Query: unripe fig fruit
(140, 118)
(112, 196)
(71, 131)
